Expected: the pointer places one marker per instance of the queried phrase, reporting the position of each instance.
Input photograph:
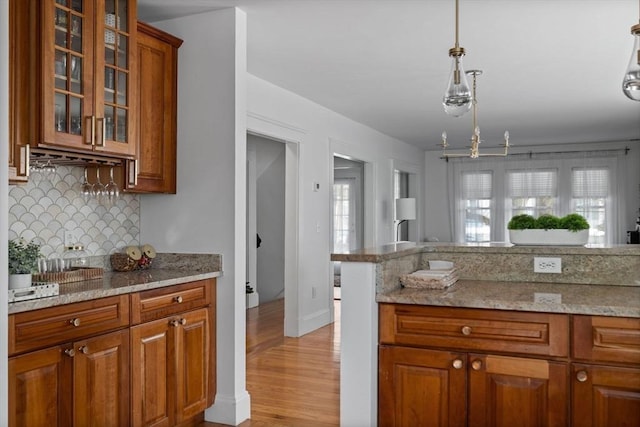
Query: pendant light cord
(457, 19)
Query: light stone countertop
(114, 283)
(617, 301)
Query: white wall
(323, 133)
(270, 172)
(438, 220)
(208, 212)
(4, 201)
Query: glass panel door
(115, 76)
(70, 95)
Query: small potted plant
(549, 230)
(23, 262)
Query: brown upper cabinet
(154, 170)
(72, 78)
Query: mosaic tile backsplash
(46, 209)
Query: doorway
(265, 220)
(347, 210)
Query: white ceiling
(552, 68)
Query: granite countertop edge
(400, 249)
(611, 301)
(111, 284)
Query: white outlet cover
(547, 298)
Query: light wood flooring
(293, 382)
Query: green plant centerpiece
(570, 230)
(23, 262)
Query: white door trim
(292, 136)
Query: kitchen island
(130, 348)
(599, 281)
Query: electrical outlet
(313, 292)
(547, 265)
(547, 298)
(69, 238)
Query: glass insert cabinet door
(88, 57)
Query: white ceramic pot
(18, 281)
(549, 237)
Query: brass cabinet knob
(582, 376)
(178, 299)
(83, 349)
(466, 330)
(75, 321)
(457, 364)
(70, 352)
(177, 322)
(476, 365)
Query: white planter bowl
(19, 281)
(548, 237)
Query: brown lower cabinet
(450, 367)
(170, 368)
(143, 359)
(84, 383)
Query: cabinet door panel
(151, 372)
(419, 387)
(192, 345)
(605, 396)
(509, 391)
(157, 86)
(40, 389)
(101, 381)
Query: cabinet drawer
(41, 328)
(607, 339)
(157, 303)
(475, 329)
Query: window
(488, 192)
(532, 192)
(589, 192)
(476, 201)
(344, 237)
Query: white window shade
(587, 182)
(532, 183)
(476, 185)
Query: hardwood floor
(293, 382)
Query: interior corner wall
(208, 213)
(4, 208)
(321, 128)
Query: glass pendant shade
(457, 99)
(631, 81)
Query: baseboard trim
(314, 321)
(230, 410)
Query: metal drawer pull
(466, 330)
(178, 299)
(457, 364)
(476, 365)
(70, 352)
(75, 321)
(582, 376)
(176, 323)
(84, 349)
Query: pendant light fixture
(457, 98)
(631, 81)
(474, 151)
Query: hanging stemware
(112, 190)
(98, 189)
(86, 189)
